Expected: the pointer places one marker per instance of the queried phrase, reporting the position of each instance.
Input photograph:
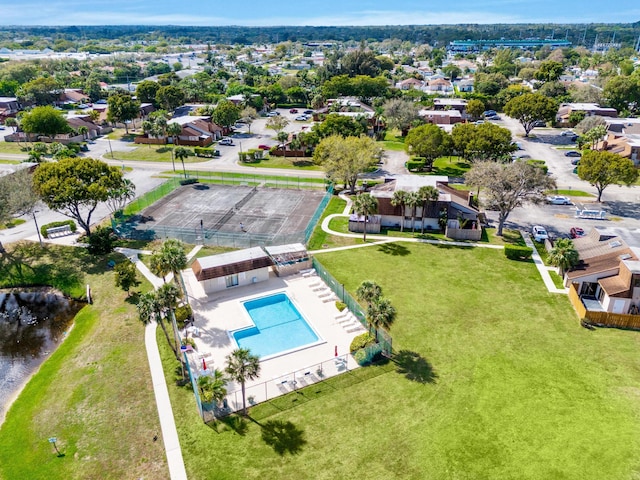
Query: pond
(32, 324)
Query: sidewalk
(542, 268)
(170, 438)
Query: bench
(59, 231)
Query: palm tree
(174, 130)
(149, 309)
(168, 296)
(82, 130)
(369, 292)
(380, 314)
(158, 267)
(243, 366)
(412, 201)
(400, 198)
(174, 259)
(212, 387)
(181, 153)
(365, 204)
(425, 195)
(563, 255)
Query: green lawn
(392, 145)
(294, 163)
(94, 393)
(450, 166)
(12, 223)
(494, 379)
(14, 147)
(570, 193)
(154, 153)
(321, 239)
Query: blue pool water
(278, 326)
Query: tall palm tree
(173, 130)
(82, 130)
(243, 366)
(174, 258)
(212, 387)
(181, 153)
(380, 314)
(150, 309)
(158, 267)
(365, 204)
(168, 296)
(564, 255)
(412, 201)
(425, 195)
(400, 198)
(369, 292)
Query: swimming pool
(277, 327)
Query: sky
(312, 12)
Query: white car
(539, 233)
(302, 118)
(225, 141)
(559, 200)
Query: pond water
(32, 324)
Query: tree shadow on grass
(235, 423)
(395, 249)
(414, 367)
(283, 437)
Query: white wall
(244, 278)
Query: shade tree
(602, 168)
(531, 108)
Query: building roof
(614, 285)
(442, 113)
(230, 263)
(283, 249)
(600, 264)
(599, 242)
(449, 101)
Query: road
(621, 203)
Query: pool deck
(220, 312)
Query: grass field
(450, 166)
(154, 153)
(494, 379)
(14, 147)
(94, 393)
(570, 193)
(293, 163)
(12, 223)
(321, 239)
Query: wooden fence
(463, 233)
(602, 319)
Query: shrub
(416, 164)
(516, 252)
(101, 241)
(361, 341)
(44, 228)
(182, 314)
(188, 181)
(340, 305)
(361, 357)
(203, 152)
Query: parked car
(479, 122)
(302, 118)
(264, 147)
(216, 153)
(539, 233)
(572, 153)
(293, 110)
(559, 200)
(308, 112)
(225, 141)
(576, 232)
(567, 133)
(1, 127)
(488, 113)
(575, 161)
(273, 114)
(493, 117)
(540, 123)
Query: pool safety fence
(255, 393)
(273, 181)
(384, 339)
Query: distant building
(528, 44)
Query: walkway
(542, 268)
(170, 438)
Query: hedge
(188, 181)
(204, 152)
(416, 163)
(516, 252)
(62, 223)
(362, 341)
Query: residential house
(9, 106)
(459, 104)
(623, 138)
(72, 96)
(439, 85)
(441, 117)
(454, 205)
(232, 269)
(464, 85)
(197, 130)
(77, 121)
(607, 279)
(409, 83)
(589, 109)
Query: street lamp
(37, 229)
(110, 149)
